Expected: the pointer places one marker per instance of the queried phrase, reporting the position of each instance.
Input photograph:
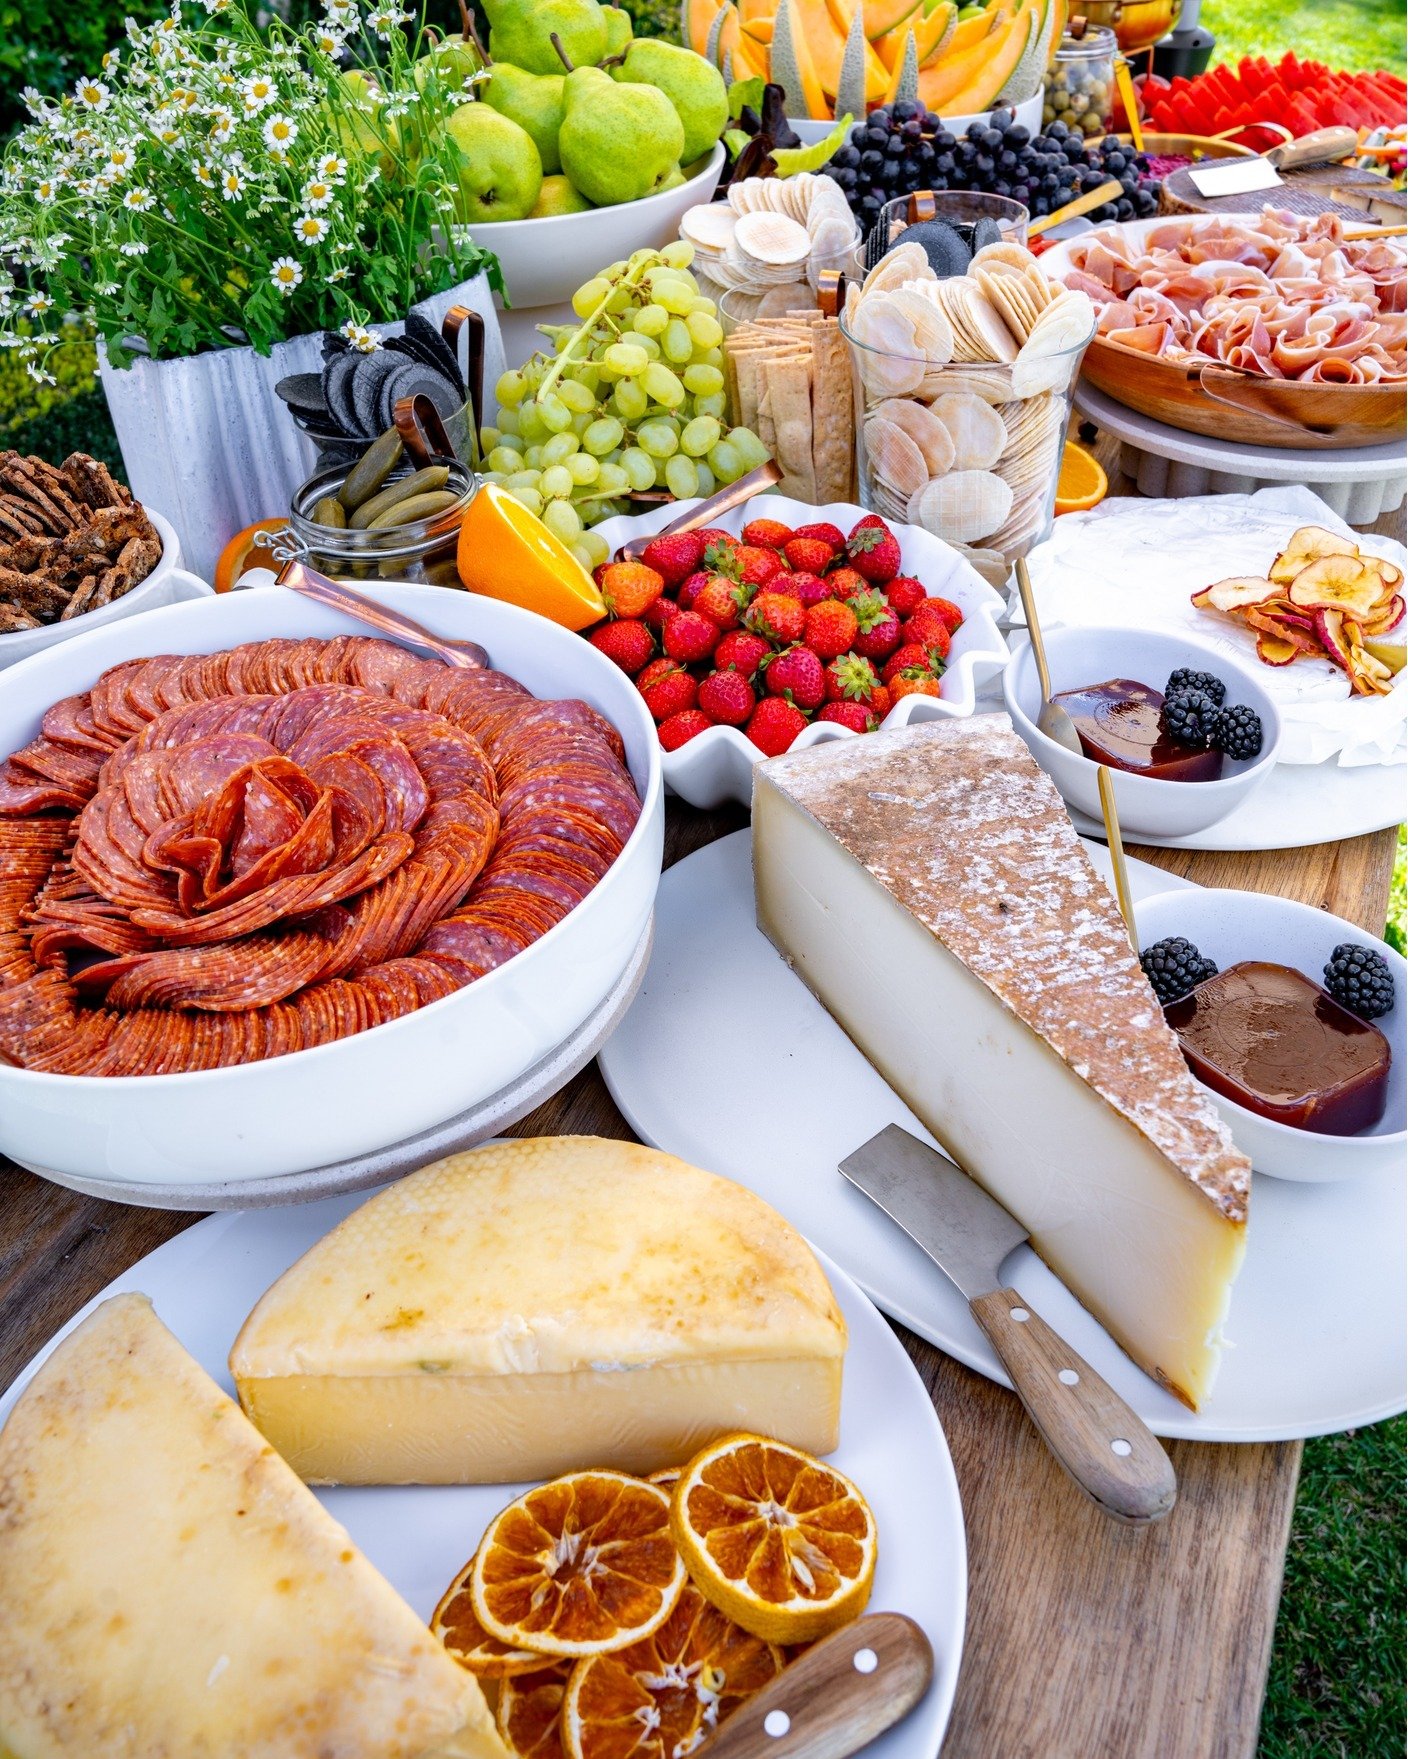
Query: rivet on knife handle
(1108, 1451)
(836, 1699)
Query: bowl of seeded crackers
(76, 551)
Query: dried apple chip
(1386, 617)
(1233, 594)
(1276, 651)
(1296, 632)
(1329, 626)
(1307, 545)
(1337, 583)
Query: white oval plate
(205, 1281)
(718, 765)
(1317, 1312)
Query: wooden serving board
(1305, 189)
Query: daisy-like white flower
(92, 94)
(222, 126)
(280, 132)
(111, 60)
(258, 91)
(285, 273)
(166, 133)
(383, 22)
(310, 229)
(214, 6)
(317, 194)
(139, 200)
(37, 373)
(46, 190)
(332, 169)
(38, 303)
(362, 339)
(134, 248)
(329, 42)
(119, 161)
(203, 174)
(232, 181)
(34, 101)
(338, 274)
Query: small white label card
(1234, 177)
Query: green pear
(557, 196)
(449, 64)
(619, 29)
(500, 172)
(618, 142)
(534, 102)
(361, 129)
(695, 88)
(521, 31)
(673, 179)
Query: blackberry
(1189, 717)
(1237, 732)
(1174, 966)
(1185, 678)
(1359, 979)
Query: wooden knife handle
(835, 1699)
(1107, 1450)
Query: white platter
(718, 764)
(204, 1282)
(1317, 1313)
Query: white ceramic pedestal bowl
(1228, 927)
(360, 1094)
(1147, 807)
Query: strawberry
(741, 652)
(854, 715)
(809, 554)
(881, 702)
(928, 629)
(879, 626)
(689, 637)
(715, 534)
(830, 535)
(690, 586)
(851, 679)
(948, 611)
(776, 615)
(727, 697)
(683, 727)
(796, 674)
(909, 656)
(846, 583)
(905, 595)
(830, 629)
(628, 642)
(811, 589)
(630, 588)
(774, 724)
(767, 534)
(718, 600)
(656, 616)
(674, 555)
(914, 681)
(873, 549)
(667, 688)
(720, 553)
(756, 566)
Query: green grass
(1352, 34)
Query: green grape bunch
(629, 400)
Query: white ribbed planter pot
(205, 439)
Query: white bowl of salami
(307, 895)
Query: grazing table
(1086, 1640)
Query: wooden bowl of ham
(1299, 344)
(467, 862)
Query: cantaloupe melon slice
(759, 30)
(751, 9)
(931, 33)
(723, 35)
(956, 68)
(968, 31)
(793, 67)
(696, 16)
(982, 92)
(884, 16)
(904, 76)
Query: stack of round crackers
(963, 384)
(772, 233)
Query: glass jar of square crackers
(961, 388)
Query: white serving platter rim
(1341, 1365)
(204, 1282)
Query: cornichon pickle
(416, 507)
(442, 574)
(329, 511)
(371, 470)
(419, 482)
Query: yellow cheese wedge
(538, 1306)
(928, 886)
(171, 1591)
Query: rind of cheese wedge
(536, 1306)
(172, 1591)
(929, 887)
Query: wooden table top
(1085, 1640)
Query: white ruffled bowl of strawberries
(784, 625)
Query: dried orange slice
(242, 553)
(667, 1477)
(666, 1694)
(780, 1542)
(457, 1625)
(580, 1566)
(529, 1713)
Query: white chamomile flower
(138, 200)
(34, 101)
(134, 247)
(232, 182)
(383, 22)
(111, 60)
(280, 132)
(332, 169)
(203, 174)
(92, 94)
(46, 190)
(285, 273)
(214, 6)
(317, 194)
(167, 135)
(310, 229)
(365, 341)
(119, 161)
(329, 43)
(338, 274)
(258, 91)
(222, 126)
(38, 303)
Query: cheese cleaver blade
(1095, 1436)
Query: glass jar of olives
(1080, 88)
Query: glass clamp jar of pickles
(383, 518)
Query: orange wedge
(506, 552)
(581, 1566)
(457, 1626)
(666, 1694)
(782, 1544)
(529, 1712)
(1082, 483)
(241, 553)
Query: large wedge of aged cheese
(928, 886)
(169, 1590)
(537, 1306)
